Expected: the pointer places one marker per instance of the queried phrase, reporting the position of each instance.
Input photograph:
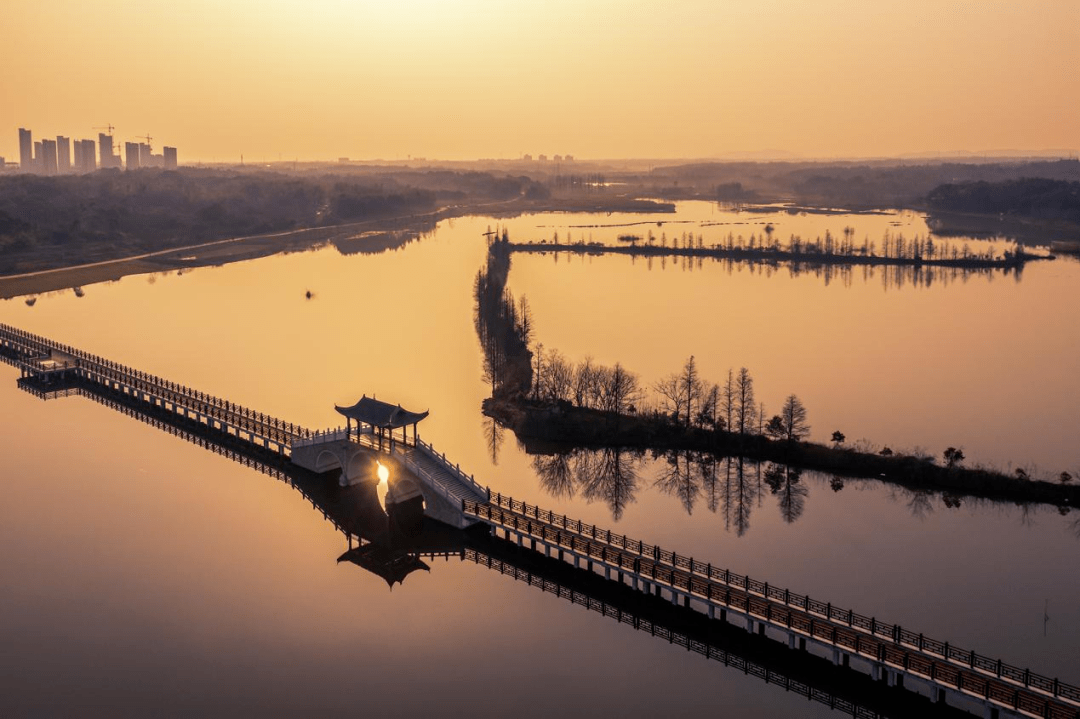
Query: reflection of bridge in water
(677, 598)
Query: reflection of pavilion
(381, 419)
(393, 565)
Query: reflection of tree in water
(728, 483)
(556, 474)
(739, 494)
(783, 481)
(920, 504)
(1074, 524)
(725, 483)
(493, 434)
(680, 479)
(707, 465)
(608, 475)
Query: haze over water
(137, 559)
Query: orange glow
(383, 472)
(607, 78)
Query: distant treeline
(894, 249)
(839, 184)
(52, 221)
(1028, 197)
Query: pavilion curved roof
(380, 414)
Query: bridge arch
(327, 460)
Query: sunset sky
(278, 79)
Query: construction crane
(147, 137)
(108, 127)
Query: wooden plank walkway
(26, 350)
(887, 645)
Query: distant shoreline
(216, 252)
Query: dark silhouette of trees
(681, 393)
(691, 386)
(793, 416)
(745, 406)
(111, 213)
(710, 413)
(1027, 197)
(620, 391)
(502, 325)
(953, 457)
(728, 399)
(554, 376)
(838, 438)
(671, 397)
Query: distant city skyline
(54, 156)
(601, 79)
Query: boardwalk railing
(966, 670)
(103, 371)
(706, 650)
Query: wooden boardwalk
(47, 360)
(892, 649)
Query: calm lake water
(142, 574)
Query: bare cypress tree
(793, 416)
(538, 375)
(745, 407)
(710, 408)
(729, 402)
(691, 389)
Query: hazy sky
(498, 78)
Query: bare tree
(728, 398)
(584, 383)
(671, 396)
(524, 320)
(621, 391)
(745, 407)
(709, 414)
(793, 416)
(538, 372)
(557, 379)
(691, 387)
